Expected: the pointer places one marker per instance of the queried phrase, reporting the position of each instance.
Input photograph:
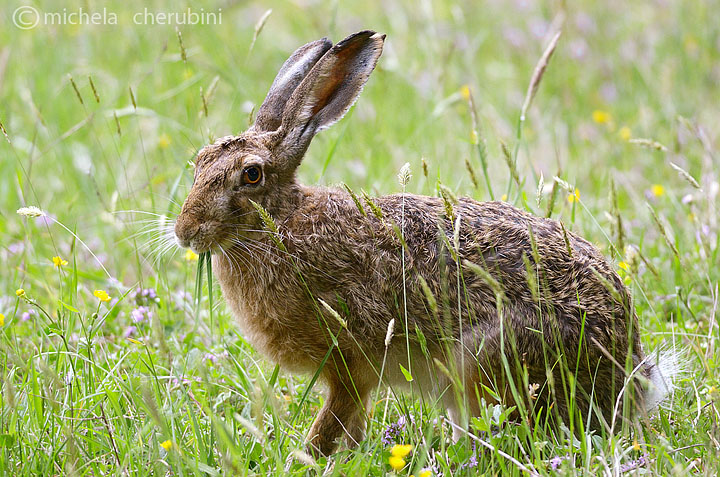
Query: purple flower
(609, 92)
(183, 296)
(27, 315)
(394, 430)
(472, 462)
(578, 49)
(129, 331)
(211, 357)
(539, 27)
(641, 461)
(585, 23)
(15, 248)
(514, 36)
(46, 219)
(556, 461)
(145, 296)
(140, 313)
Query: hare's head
(314, 88)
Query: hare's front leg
(343, 414)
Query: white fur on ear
(338, 78)
(291, 74)
(326, 93)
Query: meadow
(119, 357)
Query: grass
(100, 122)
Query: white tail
(669, 365)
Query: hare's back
(574, 276)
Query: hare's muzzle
(186, 229)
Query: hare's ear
(326, 93)
(293, 71)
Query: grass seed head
(404, 175)
(30, 211)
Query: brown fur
(353, 262)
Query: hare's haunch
(479, 296)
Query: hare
(477, 301)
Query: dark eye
(252, 175)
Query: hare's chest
(271, 319)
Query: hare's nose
(185, 232)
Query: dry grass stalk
(664, 233)
(77, 91)
(258, 28)
(94, 90)
(686, 175)
(649, 143)
(538, 74)
(2, 128)
(183, 53)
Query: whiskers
(155, 237)
(245, 249)
(258, 255)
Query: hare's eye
(252, 175)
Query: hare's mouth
(207, 237)
(200, 244)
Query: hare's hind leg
(485, 376)
(476, 376)
(342, 414)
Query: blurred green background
(631, 88)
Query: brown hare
(467, 296)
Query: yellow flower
(691, 45)
(399, 450)
(2, 319)
(465, 92)
(59, 262)
(713, 393)
(574, 197)
(657, 190)
(190, 256)
(164, 141)
(624, 266)
(625, 133)
(20, 292)
(167, 445)
(601, 117)
(101, 295)
(423, 473)
(636, 445)
(503, 197)
(396, 463)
